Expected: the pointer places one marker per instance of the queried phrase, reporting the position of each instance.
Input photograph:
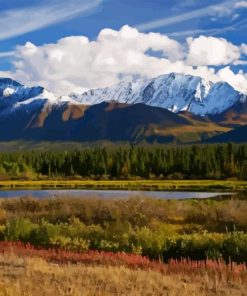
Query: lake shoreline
(130, 185)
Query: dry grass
(192, 129)
(36, 277)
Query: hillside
(172, 108)
(238, 135)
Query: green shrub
(161, 241)
(19, 230)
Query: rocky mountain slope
(174, 92)
(171, 108)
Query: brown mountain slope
(106, 121)
(232, 117)
(238, 135)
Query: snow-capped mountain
(147, 111)
(175, 92)
(14, 91)
(15, 96)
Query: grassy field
(155, 185)
(101, 247)
(25, 276)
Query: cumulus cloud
(244, 49)
(239, 79)
(76, 64)
(211, 51)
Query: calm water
(108, 194)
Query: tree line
(217, 161)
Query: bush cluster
(161, 242)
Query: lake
(108, 194)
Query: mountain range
(172, 108)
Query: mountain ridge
(175, 92)
(116, 114)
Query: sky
(75, 45)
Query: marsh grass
(148, 185)
(24, 276)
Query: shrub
(19, 230)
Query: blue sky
(116, 13)
(43, 22)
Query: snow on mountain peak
(175, 92)
(8, 91)
(14, 96)
(16, 91)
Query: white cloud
(244, 48)
(239, 79)
(235, 16)
(75, 63)
(221, 9)
(211, 51)
(241, 4)
(210, 32)
(16, 22)
(7, 54)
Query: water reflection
(109, 194)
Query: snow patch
(175, 92)
(8, 91)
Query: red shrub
(220, 268)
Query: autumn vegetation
(125, 246)
(35, 276)
(138, 246)
(158, 229)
